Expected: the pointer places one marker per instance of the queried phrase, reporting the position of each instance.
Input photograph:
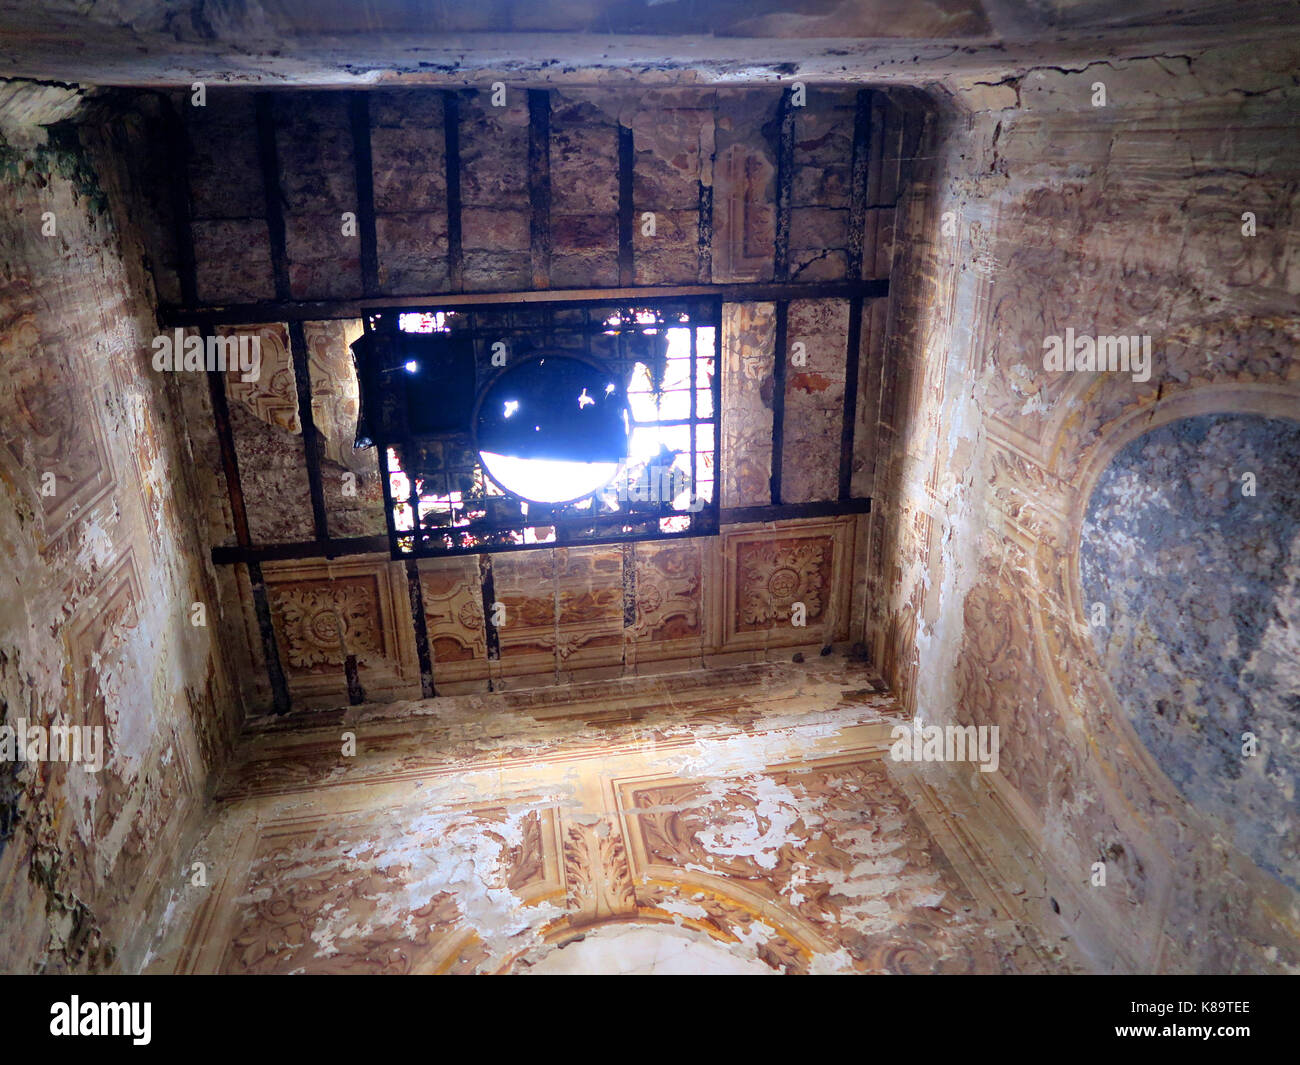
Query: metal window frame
(705, 311)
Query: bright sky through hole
(557, 481)
(548, 480)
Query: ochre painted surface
(754, 808)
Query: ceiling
(647, 41)
(789, 209)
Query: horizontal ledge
(336, 548)
(795, 511)
(368, 545)
(172, 316)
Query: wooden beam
(239, 518)
(488, 585)
(422, 653)
(784, 187)
(629, 591)
(795, 511)
(187, 267)
(850, 415)
(336, 310)
(705, 253)
(335, 548)
(356, 693)
(539, 185)
(359, 108)
(367, 545)
(779, 357)
(628, 573)
(270, 650)
(269, 160)
(859, 177)
(859, 174)
(312, 444)
(626, 218)
(451, 147)
(229, 458)
(183, 233)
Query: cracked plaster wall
(1045, 212)
(99, 574)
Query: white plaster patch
(461, 855)
(758, 832)
(647, 950)
(95, 548)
